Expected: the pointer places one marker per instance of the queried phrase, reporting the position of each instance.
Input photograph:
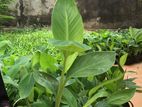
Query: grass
(26, 41)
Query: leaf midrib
(67, 24)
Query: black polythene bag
(4, 101)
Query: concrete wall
(96, 13)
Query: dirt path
(137, 99)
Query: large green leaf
(51, 79)
(92, 64)
(39, 104)
(67, 22)
(15, 69)
(69, 61)
(100, 94)
(70, 98)
(26, 85)
(8, 80)
(121, 97)
(123, 59)
(47, 62)
(43, 82)
(69, 46)
(35, 58)
(103, 104)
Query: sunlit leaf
(8, 80)
(67, 22)
(123, 59)
(39, 104)
(43, 82)
(69, 61)
(70, 98)
(69, 46)
(26, 85)
(15, 69)
(92, 64)
(35, 58)
(121, 97)
(100, 94)
(47, 62)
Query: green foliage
(30, 82)
(4, 11)
(69, 76)
(4, 5)
(26, 85)
(4, 49)
(136, 35)
(123, 59)
(121, 97)
(3, 46)
(5, 18)
(28, 40)
(122, 41)
(70, 98)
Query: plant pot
(126, 105)
(130, 104)
(134, 59)
(4, 104)
(4, 101)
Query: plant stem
(28, 104)
(61, 86)
(60, 91)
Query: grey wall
(96, 13)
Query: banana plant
(67, 28)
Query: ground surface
(137, 99)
